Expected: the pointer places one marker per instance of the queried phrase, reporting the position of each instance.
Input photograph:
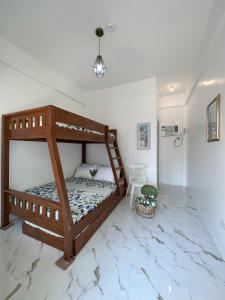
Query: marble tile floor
(170, 257)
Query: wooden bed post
(66, 212)
(5, 177)
(67, 259)
(84, 158)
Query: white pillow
(84, 171)
(104, 173)
(91, 167)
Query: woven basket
(145, 211)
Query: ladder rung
(115, 158)
(121, 178)
(118, 168)
(113, 147)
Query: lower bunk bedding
(84, 195)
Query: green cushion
(149, 191)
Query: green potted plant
(93, 172)
(146, 203)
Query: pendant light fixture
(99, 67)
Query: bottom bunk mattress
(84, 194)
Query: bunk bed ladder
(118, 169)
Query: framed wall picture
(143, 136)
(213, 120)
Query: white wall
(172, 160)
(206, 161)
(172, 100)
(29, 161)
(122, 107)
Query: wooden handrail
(34, 198)
(27, 111)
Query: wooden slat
(52, 214)
(24, 204)
(44, 211)
(28, 134)
(70, 134)
(17, 124)
(84, 153)
(40, 235)
(17, 202)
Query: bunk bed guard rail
(35, 124)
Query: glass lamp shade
(99, 67)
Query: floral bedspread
(84, 194)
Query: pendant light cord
(99, 67)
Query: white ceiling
(152, 38)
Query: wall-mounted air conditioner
(169, 130)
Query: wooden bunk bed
(51, 124)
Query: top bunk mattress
(84, 194)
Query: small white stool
(137, 178)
